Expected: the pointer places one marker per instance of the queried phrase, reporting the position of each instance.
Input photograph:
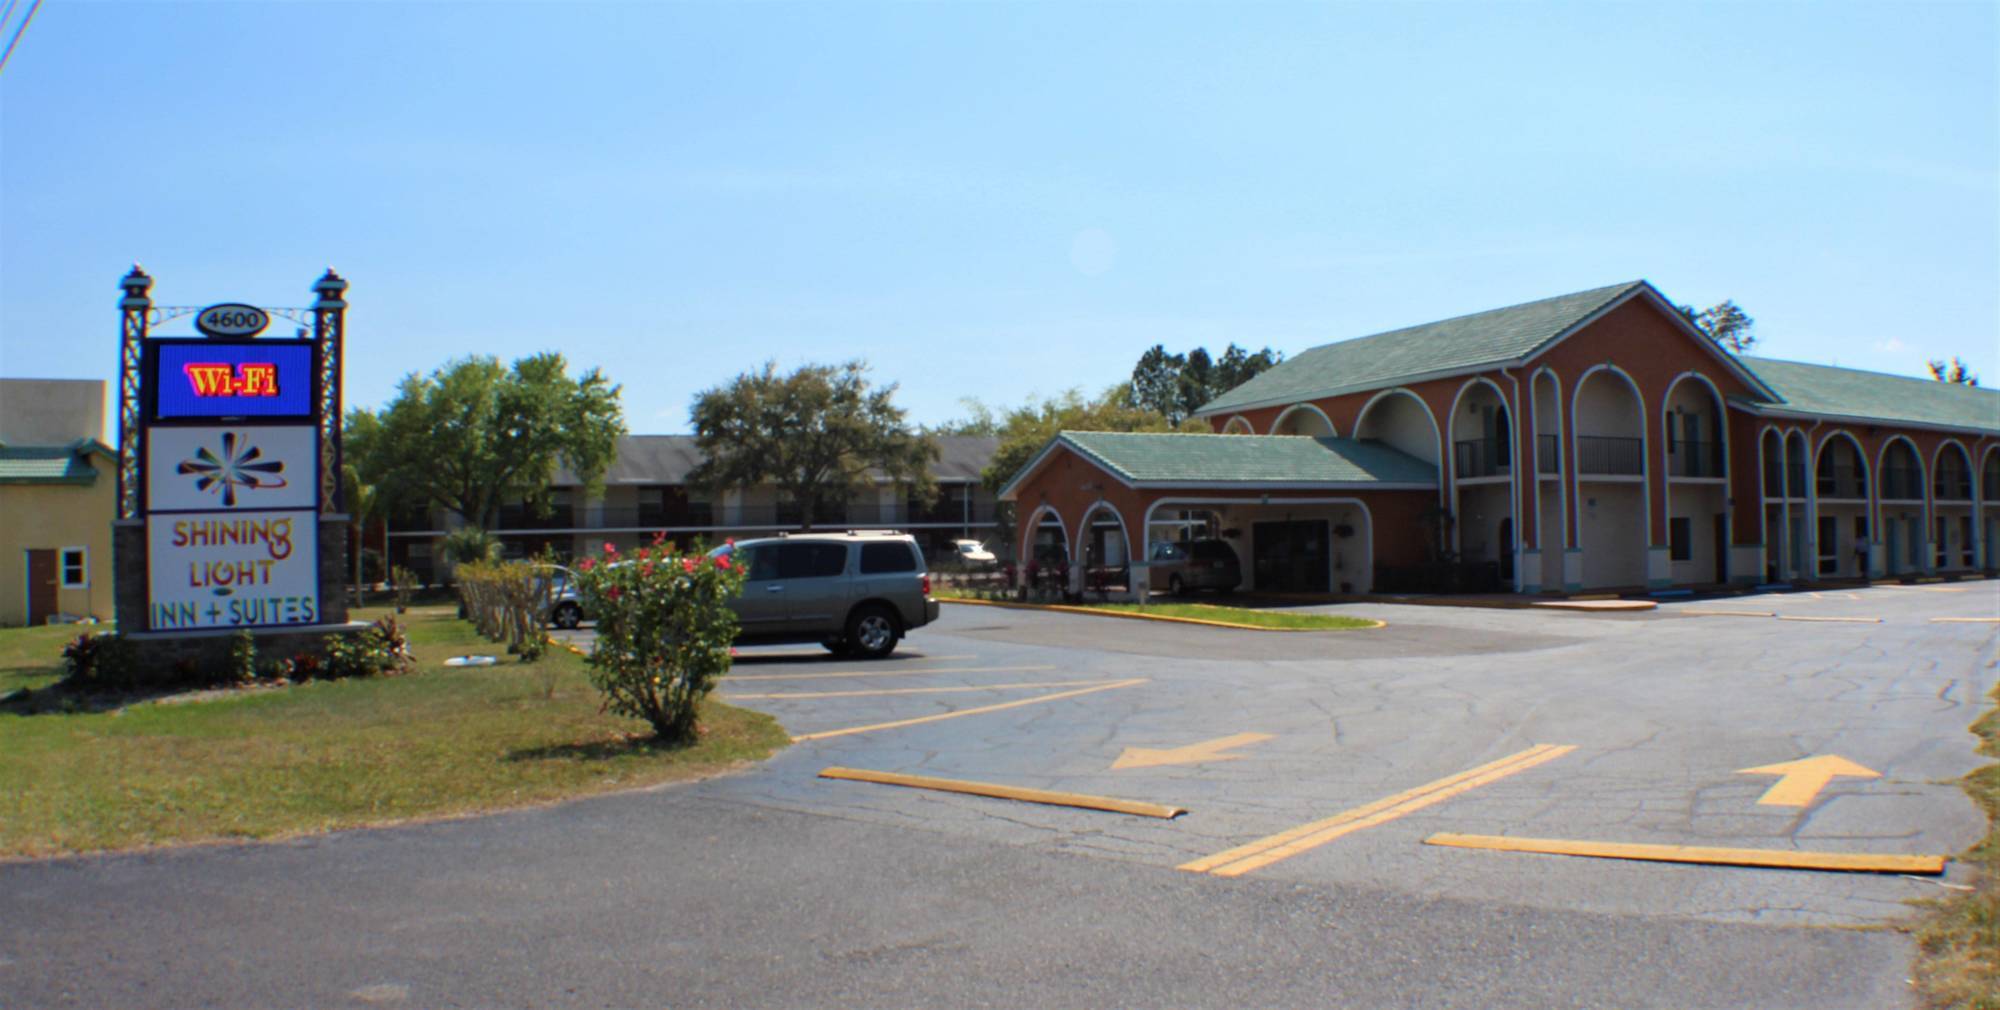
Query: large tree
(1024, 430)
(816, 433)
(473, 435)
(1177, 385)
(1954, 373)
(1725, 323)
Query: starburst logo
(238, 465)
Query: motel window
(75, 568)
(1680, 538)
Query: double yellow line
(1285, 844)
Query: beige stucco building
(58, 496)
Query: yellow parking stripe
(1831, 620)
(1728, 613)
(1965, 620)
(900, 723)
(1117, 806)
(1780, 858)
(1285, 844)
(908, 690)
(733, 678)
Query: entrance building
(1595, 440)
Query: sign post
(230, 512)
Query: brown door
(41, 586)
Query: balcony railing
(1901, 484)
(703, 516)
(520, 517)
(1952, 487)
(1482, 457)
(1838, 481)
(1601, 454)
(1695, 459)
(1548, 454)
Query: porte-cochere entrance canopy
(1303, 514)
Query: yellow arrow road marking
(1803, 779)
(1194, 753)
(1793, 860)
(900, 723)
(880, 691)
(1285, 844)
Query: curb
(1095, 612)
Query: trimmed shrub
(663, 631)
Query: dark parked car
(857, 593)
(1193, 564)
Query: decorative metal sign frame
(261, 377)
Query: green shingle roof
(1247, 459)
(1385, 359)
(1848, 392)
(49, 464)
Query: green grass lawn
(1276, 619)
(271, 763)
(1958, 964)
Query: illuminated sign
(259, 378)
(238, 467)
(232, 570)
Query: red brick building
(1594, 440)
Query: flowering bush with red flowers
(663, 631)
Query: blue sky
(993, 200)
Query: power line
(16, 40)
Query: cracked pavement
(773, 887)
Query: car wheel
(569, 615)
(1174, 587)
(871, 633)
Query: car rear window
(1211, 550)
(893, 557)
(811, 561)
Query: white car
(973, 554)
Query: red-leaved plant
(663, 631)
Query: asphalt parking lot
(1313, 769)
(1649, 722)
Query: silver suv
(857, 593)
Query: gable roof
(52, 464)
(1492, 337)
(1826, 390)
(1143, 459)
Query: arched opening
(1798, 532)
(1899, 491)
(1301, 545)
(1045, 553)
(1952, 521)
(1482, 454)
(1840, 502)
(1550, 536)
(1697, 469)
(1303, 419)
(1399, 419)
(1609, 460)
(1238, 426)
(1989, 510)
(1107, 552)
